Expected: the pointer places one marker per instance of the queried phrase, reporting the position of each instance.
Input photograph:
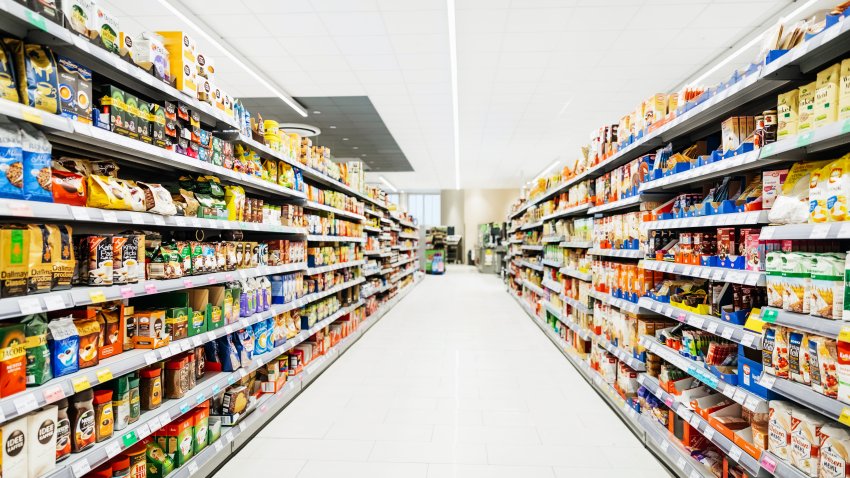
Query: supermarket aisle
(456, 381)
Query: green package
(38, 353)
(159, 464)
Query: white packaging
(834, 453)
(41, 440)
(15, 461)
(779, 428)
(79, 16)
(805, 440)
(771, 184)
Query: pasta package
(827, 285)
(786, 112)
(826, 96)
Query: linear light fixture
(750, 44)
(226, 51)
(388, 184)
(450, 4)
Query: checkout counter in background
(490, 250)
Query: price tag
(228, 329)
(717, 275)
(708, 433)
(30, 305)
(681, 463)
(150, 287)
(25, 403)
(844, 230)
(80, 383)
(196, 341)
(150, 358)
(210, 336)
(844, 417)
(229, 436)
(137, 218)
(184, 408)
(768, 463)
(747, 339)
(38, 21)
(767, 233)
(694, 474)
(109, 216)
(705, 272)
(104, 375)
(143, 430)
(163, 419)
(180, 220)
(187, 283)
(218, 446)
(242, 373)
(193, 468)
(54, 394)
(112, 449)
(820, 231)
(735, 453)
(697, 322)
(729, 392)
(740, 396)
(767, 380)
(805, 139)
(184, 345)
(80, 213)
(80, 468)
(129, 439)
(751, 403)
(97, 296)
(664, 446)
(158, 220)
(727, 333)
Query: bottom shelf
(233, 438)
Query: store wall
(465, 209)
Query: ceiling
(535, 77)
(350, 126)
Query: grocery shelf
(403, 261)
(514, 240)
(406, 249)
(616, 205)
(734, 219)
(556, 287)
(370, 212)
(735, 276)
(622, 253)
(531, 225)
(827, 230)
(806, 396)
(412, 237)
(725, 167)
(387, 270)
(551, 239)
(556, 264)
(84, 295)
(79, 463)
(405, 223)
(332, 267)
(571, 211)
(337, 212)
(61, 212)
(730, 449)
(377, 253)
(534, 288)
(371, 229)
(402, 275)
(672, 447)
(319, 238)
(585, 276)
(576, 244)
(559, 314)
(621, 304)
(370, 272)
(621, 354)
(576, 304)
(531, 247)
(375, 290)
(531, 265)
(816, 325)
(711, 324)
(696, 369)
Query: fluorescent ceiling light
(226, 51)
(797, 11)
(450, 4)
(388, 184)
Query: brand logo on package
(201, 60)
(45, 431)
(15, 443)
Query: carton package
(79, 16)
(15, 459)
(150, 54)
(779, 428)
(41, 443)
(806, 109)
(105, 29)
(182, 60)
(75, 90)
(805, 440)
(844, 91)
(826, 96)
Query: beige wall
(465, 209)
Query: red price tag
(768, 463)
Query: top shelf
(796, 65)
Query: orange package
(13, 360)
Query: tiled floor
(456, 381)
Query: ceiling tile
(353, 23)
(344, 5)
(416, 22)
(359, 45)
(293, 24)
(422, 43)
(318, 45)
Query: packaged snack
(806, 109)
(818, 211)
(827, 285)
(89, 333)
(68, 187)
(41, 447)
(11, 161)
(158, 199)
(38, 80)
(826, 96)
(786, 112)
(779, 428)
(37, 351)
(106, 192)
(8, 80)
(798, 357)
(834, 453)
(35, 152)
(40, 260)
(823, 365)
(780, 352)
(64, 343)
(805, 440)
(62, 251)
(13, 360)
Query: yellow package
(837, 188)
(826, 96)
(106, 192)
(806, 109)
(285, 175)
(270, 170)
(786, 113)
(234, 198)
(844, 91)
(818, 211)
(792, 206)
(8, 86)
(37, 75)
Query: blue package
(260, 338)
(228, 354)
(11, 161)
(36, 154)
(64, 344)
(245, 345)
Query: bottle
(81, 416)
(63, 431)
(104, 417)
(150, 388)
(121, 467)
(121, 401)
(135, 404)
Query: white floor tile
(443, 387)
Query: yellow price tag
(754, 321)
(80, 384)
(844, 334)
(97, 296)
(32, 116)
(104, 375)
(845, 416)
